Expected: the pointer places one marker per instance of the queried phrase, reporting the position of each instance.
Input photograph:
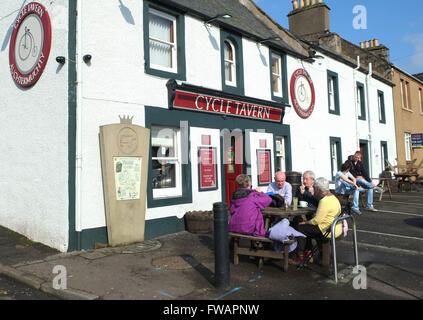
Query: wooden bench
(257, 249)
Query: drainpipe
(355, 102)
(368, 78)
(78, 159)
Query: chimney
(309, 17)
(376, 48)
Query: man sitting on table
(305, 192)
(246, 205)
(363, 180)
(319, 227)
(281, 187)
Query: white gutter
(78, 158)
(368, 78)
(357, 140)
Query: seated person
(363, 180)
(281, 187)
(305, 192)
(246, 205)
(319, 227)
(345, 183)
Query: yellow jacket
(328, 210)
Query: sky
(398, 24)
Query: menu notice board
(264, 175)
(417, 140)
(127, 177)
(207, 169)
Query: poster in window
(264, 176)
(417, 141)
(207, 169)
(127, 177)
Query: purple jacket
(246, 216)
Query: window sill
(408, 110)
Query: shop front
(205, 138)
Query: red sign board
(263, 167)
(207, 168)
(30, 44)
(302, 93)
(217, 105)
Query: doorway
(364, 149)
(233, 156)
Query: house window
(381, 106)
(333, 93)
(166, 162)
(383, 154)
(276, 75)
(420, 100)
(335, 155)
(361, 104)
(280, 154)
(407, 146)
(405, 94)
(230, 64)
(164, 42)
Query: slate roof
(243, 20)
(419, 76)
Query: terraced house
(222, 87)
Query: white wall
(115, 83)
(34, 138)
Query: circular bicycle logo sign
(302, 93)
(30, 44)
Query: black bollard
(221, 245)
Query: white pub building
(223, 89)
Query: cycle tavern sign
(30, 44)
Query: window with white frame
(280, 154)
(166, 162)
(407, 146)
(381, 106)
(331, 94)
(230, 63)
(405, 94)
(162, 41)
(277, 75)
(420, 100)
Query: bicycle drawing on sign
(27, 45)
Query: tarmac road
(391, 244)
(13, 290)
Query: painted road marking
(408, 203)
(389, 234)
(403, 213)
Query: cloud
(417, 41)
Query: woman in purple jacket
(246, 205)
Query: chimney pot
(307, 3)
(361, 44)
(376, 42)
(301, 3)
(320, 1)
(367, 43)
(372, 43)
(295, 4)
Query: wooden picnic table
(272, 213)
(403, 178)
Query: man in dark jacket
(360, 173)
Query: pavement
(181, 266)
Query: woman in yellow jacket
(319, 227)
